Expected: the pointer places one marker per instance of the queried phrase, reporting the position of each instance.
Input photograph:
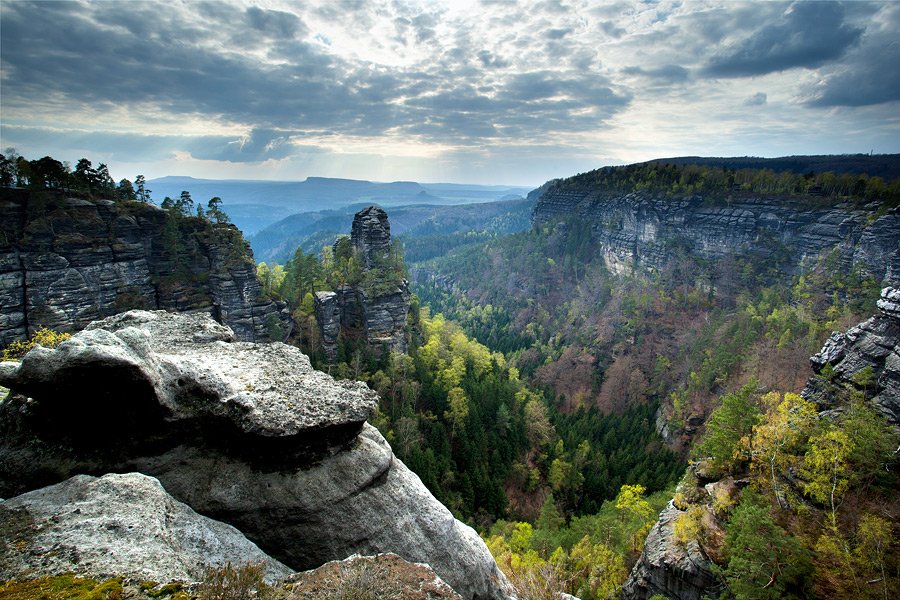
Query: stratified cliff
(375, 313)
(66, 261)
(249, 434)
(638, 230)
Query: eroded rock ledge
(248, 434)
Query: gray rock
(379, 318)
(669, 568)
(328, 316)
(370, 234)
(268, 390)
(634, 229)
(245, 433)
(873, 344)
(117, 525)
(67, 261)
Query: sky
(469, 91)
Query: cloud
(808, 35)
(870, 75)
(667, 74)
(757, 99)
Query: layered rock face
(666, 567)
(245, 433)
(66, 261)
(866, 358)
(117, 525)
(379, 318)
(370, 234)
(637, 230)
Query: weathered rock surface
(245, 433)
(370, 234)
(117, 525)
(637, 230)
(669, 568)
(381, 576)
(871, 348)
(66, 261)
(379, 318)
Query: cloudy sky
(481, 91)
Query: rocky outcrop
(66, 261)
(677, 571)
(638, 231)
(376, 313)
(117, 525)
(865, 358)
(370, 234)
(380, 576)
(245, 433)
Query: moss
(68, 587)
(169, 589)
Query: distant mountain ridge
(255, 204)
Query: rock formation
(866, 358)
(117, 525)
(245, 433)
(66, 261)
(370, 234)
(666, 567)
(637, 229)
(380, 576)
(378, 316)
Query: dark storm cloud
(808, 34)
(869, 75)
(872, 78)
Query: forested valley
(537, 383)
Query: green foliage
(589, 557)
(726, 441)
(62, 587)
(42, 336)
(764, 562)
(719, 184)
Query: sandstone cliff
(637, 230)
(245, 433)
(376, 313)
(65, 261)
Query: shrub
(231, 582)
(43, 336)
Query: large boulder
(246, 433)
(117, 525)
